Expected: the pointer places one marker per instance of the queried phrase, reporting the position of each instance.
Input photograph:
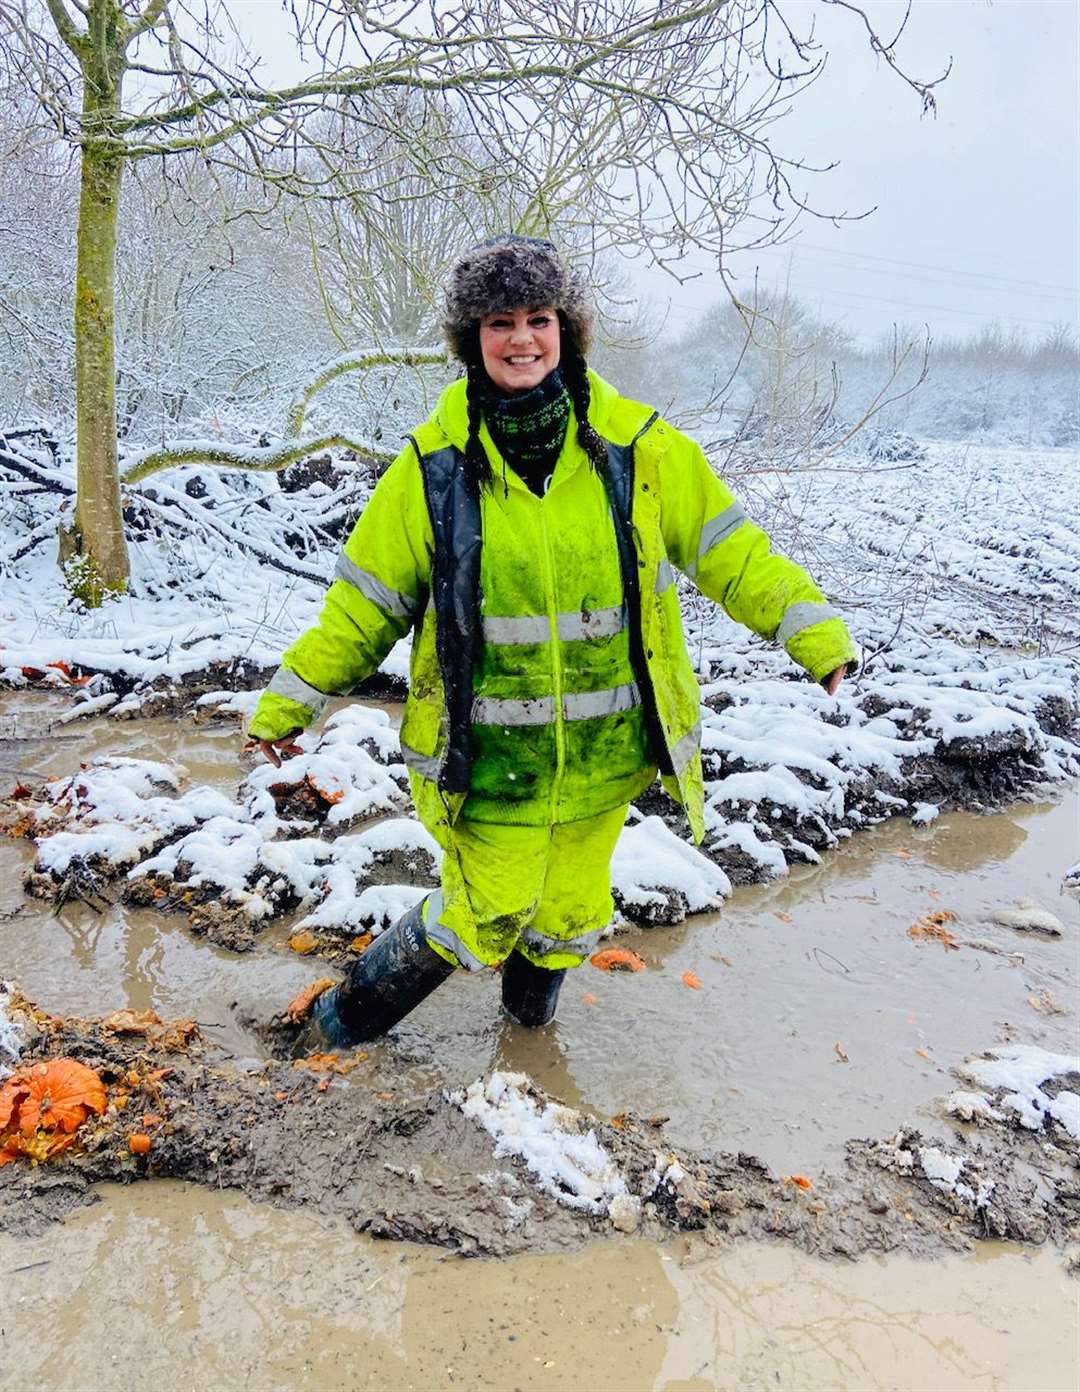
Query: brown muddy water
(818, 1019)
(176, 1287)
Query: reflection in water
(244, 1296)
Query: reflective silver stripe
(436, 931)
(665, 576)
(427, 765)
(716, 530)
(522, 628)
(489, 710)
(580, 946)
(686, 748)
(294, 688)
(803, 615)
(586, 705)
(570, 627)
(597, 623)
(400, 605)
(582, 705)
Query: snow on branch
(359, 361)
(257, 459)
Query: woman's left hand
(831, 683)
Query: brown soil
(346, 1138)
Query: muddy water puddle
(178, 1287)
(817, 1018)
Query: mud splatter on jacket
(563, 722)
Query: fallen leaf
(932, 926)
(362, 942)
(20, 790)
(330, 1063)
(689, 979)
(151, 1119)
(323, 1085)
(131, 1021)
(801, 1181)
(331, 798)
(620, 1121)
(924, 1054)
(280, 1096)
(783, 917)
(139, 1143)
(617, 959)
(304, 941)
(589, 999)
(301, 1003)
(838, 1050)
(1046, 1003)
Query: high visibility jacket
(581, 684)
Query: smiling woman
(520, 347)
(528, 535)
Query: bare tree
(653, 118)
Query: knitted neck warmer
(528, 429)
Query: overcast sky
(977, 210)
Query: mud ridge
(339, 1134)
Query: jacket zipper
(556, 663)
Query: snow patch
(1019, 1072)
(11, 1036)
(651, 865)
(568, 1163)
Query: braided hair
(575, 375)
(574, 372)
(477, 465)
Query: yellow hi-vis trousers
(544, 890)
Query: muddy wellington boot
(392, 977)
(530, 993)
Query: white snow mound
(569, 1164)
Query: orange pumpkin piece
(58, 1096)
(617, 959)
(800, 1181)
(301, 1003)
(689, 979)
(362, 942)
(139, 1143)
(304, 941)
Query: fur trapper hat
(513, 272)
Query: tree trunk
(98, 518)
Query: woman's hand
(831, 683)
(285, 746)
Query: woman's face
(520, 347)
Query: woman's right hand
(285, 747)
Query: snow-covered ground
(959, 575)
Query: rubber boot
(392, 977)
(530, 993)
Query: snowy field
(959, 575)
